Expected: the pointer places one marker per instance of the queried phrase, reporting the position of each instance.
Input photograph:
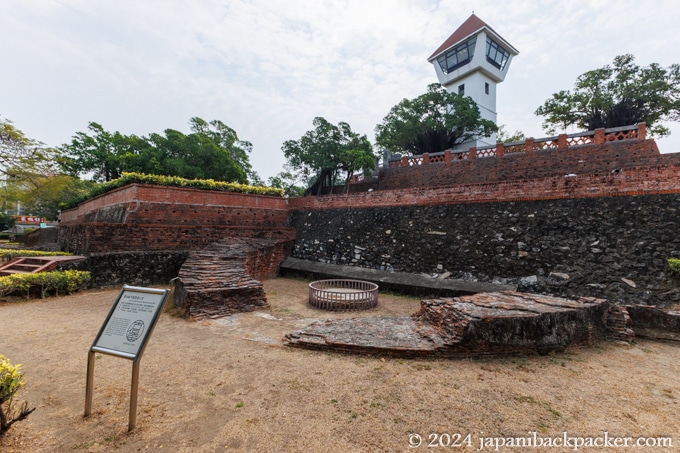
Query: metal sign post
(125, 333)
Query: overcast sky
(267, 68)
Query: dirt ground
(231, 385)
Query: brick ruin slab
(655, 323)
(219, 280)
(485, 324)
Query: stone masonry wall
(612, 247)
(141, 268)
(105, 237)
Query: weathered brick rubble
(485, 324)
(219, 280)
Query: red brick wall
(629, 181)
(168, 199)
(144, 217)
(590, 159)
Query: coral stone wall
(612, 247)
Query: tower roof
(471, 26)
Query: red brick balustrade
(563, 141)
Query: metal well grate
(343, 295)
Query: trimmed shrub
(43, 283)
(173, 181)
(10, 384)
(8, 254)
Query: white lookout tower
(471, 62)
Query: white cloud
(268, 68)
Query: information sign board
(130, 322)
(124, 334)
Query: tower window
(461, 89)
(458, 56)
(495, 54)
(486, 87)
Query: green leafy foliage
(211, 151)
(503, 136)
(172, 181)
(327, 151)
(22, 157)
(432, 122)
(6, 221)
(674, 265)
(8, 254)
(290, 180)
(44, 283)
(10, 383)
(619, 95)
(28, 173)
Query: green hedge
(674, 264)
(173, 181)
(64, 282)
(8, 254)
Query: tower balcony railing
(562, 141)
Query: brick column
(473, 153)
(642, 131)
(426, 158)
(447, 155)
(562, 141)
(599, 136)
(499, 150)
(404, 161)
(529, 145)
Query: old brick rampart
(153, 218)
(596, 220)
(586, 220)
(593, 159)
(662, 178)
(142, 234)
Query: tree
(227, 139)
(100, 153)
(211, 151)
(21, 156)
(504, 136)
(51, 193)
(292, 181)
(619, 95)
(324, 152)
(353, 160)
(28, 169)
(432, 122)
(6, 221)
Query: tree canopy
(619, 95)
(29, 174)
(432, 122)
(327, 151)
(23, 157)
(211, 151)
